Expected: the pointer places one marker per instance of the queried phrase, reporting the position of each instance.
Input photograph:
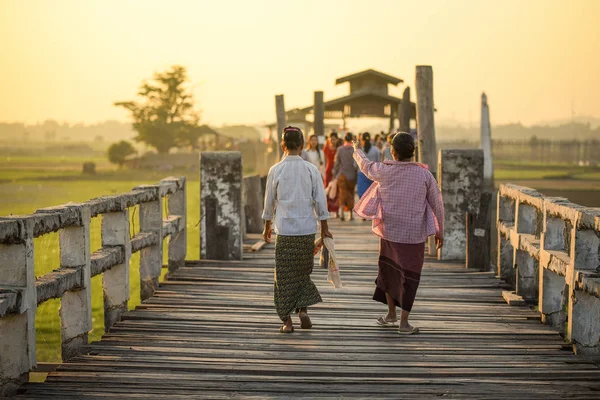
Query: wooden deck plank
(211, 331)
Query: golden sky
(69, 60)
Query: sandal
(305, 322)
(381, 321)
(283, 330)
(408, 331)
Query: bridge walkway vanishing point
(211, 331)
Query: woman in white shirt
(294, 199)
(314, 154)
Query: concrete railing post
(177, 205)
(253, 204)
(461, 182)
(221, 206)
(526, 267)
(76, 306)
(151, 220)
(115, 281)
(17, 331)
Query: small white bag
(333, 274)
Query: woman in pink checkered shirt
(405, 205)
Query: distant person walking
(329, 150)
(294, 199)
(314, 154)
(406, 207)
(387, 148)
(373, 154)
(344, 170)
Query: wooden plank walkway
(211, 332)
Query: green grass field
(53, 182)
(30, 183)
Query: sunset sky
(69, 60)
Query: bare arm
(434, 198)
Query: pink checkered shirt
(404, 200)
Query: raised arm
(366, 166)
(269, 207)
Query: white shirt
(295, 196)
(316, 158)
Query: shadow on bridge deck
(211, 332)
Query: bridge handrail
(21, 292)
(549, 248)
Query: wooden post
(405, 111)
(319, 114)
(486, 145)
(425, 119)
(151, 220)
(280, 112)
(17, 331)
(478, 235)
(221, 205)
(76, 306)
(177, 205)
(393, 111)
(115, 281)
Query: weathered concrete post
(506, 211)
(527, 267)
(478, 235)
(76, 306)
(115, 281)
(280, 112)
(319, 114)
(177, 205)
(253, 200)
(404, 115)
(17, 331)
(221, 205)
(425, 118)
(486, 145)
(151, 258)
(461, 182)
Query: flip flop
(305, 322)
(381, 321)
(410, 331)
(282, 330)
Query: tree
(166, 117)
(118, 152)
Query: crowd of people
(341, 175)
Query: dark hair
(390, 138)
(404, 145)
(293, 138)
(339, 143)
(366, 137)
(318, 149)
(333, 134)
(349, 137)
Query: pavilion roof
(379, 75)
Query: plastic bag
(329, 261)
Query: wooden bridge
(210, 331)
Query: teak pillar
(280, 112)
(425, 119)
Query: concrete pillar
(76, 306)
(319, 114)
(527, 274)
(478, 235)
(405, 113)
(252, 200)
(115, 281)
(425, 119)
(151, 258)
(17, 331)
(177, 205)
(553, 297)
(506, 263)
(221, 205)
(280, 113)
(486, 145)
(461, 182)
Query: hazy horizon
(69, 60)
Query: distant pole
(486, 145)
(425, 121)
(393, 112)
(319, 113)
(280, 112)
(405, 111)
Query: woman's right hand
(439, 242)
(267, 232)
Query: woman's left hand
(356, 144)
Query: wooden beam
(319, 120)
(280, 112)
(427, 145)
